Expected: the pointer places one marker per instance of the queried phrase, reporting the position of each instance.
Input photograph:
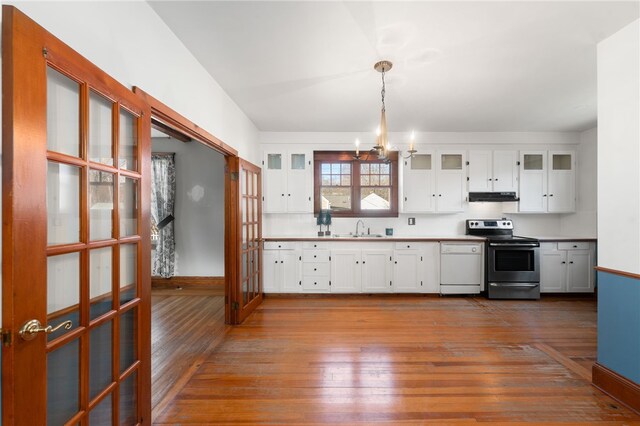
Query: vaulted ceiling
(458, 66)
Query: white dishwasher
(461, 268)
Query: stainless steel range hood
(492, 196)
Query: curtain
(163, 193)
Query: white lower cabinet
(376, 270)
(281, 267)
(567, 267)
(416, 267)
(351, 267)
(346, 271)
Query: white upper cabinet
(418, 183)
(434, 182)
(288, 181)
(493, 171)
(450, 181)
(547, 181)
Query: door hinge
(234, 175)
(420, 283)
(263, 162)
(7, 337)
(299, 257)
(467, 178)
(329, 258)
(235, 306)
(467, 163)
(299, 282)
(390, 282)
(517, 163)
(45, 52)
(329, 282)
(420, 258)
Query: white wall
(448, 224)
(130, 42)
(619, 150)
(584, 221)
(199, 208)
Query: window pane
(561, 162)
(326, 180)
(385, 169)
(63, 383)
(128, 206)
(128, 272)
(335, 169)
(100, 369)
(346, 169)
(421, 162)
(336, 199)
(375, 169)
(128, 332)
(451, 162)
(274, 161)
(364, 169)
(374, 180)
(375, 199)
(364, 180)
(63, 292)
(101, 414)
(346, 180)
(335, 180)
(533, 162)
(385, 180)
(100, 281)
(325, 169)
(297, 162)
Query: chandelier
(381, 148)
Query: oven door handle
(514, 285)
(514, 245)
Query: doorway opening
(187, 256)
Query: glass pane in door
(451, 162)
(100, 365)
(102, 413)
(532, 162)
(128, 400)
(63, 114)
(100, 205)
(128, 332)
(63, 292)
(128, 272)
(274, 161)
(63, 203)
(100, 282)
(128, 206)
(297, 161)
(561, 162)
(100, 129)
(63, 383)
(421, 162)
(128, 140)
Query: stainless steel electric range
(512, 263)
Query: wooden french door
(247, 294)
(76, 246)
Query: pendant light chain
(382, 92)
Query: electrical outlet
(412, 221)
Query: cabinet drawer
(315, 255)
(315, 284)
(315, 269)
(315, 244)
(573, 246)
(279, 245)
(407, 246)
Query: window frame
(320, 157)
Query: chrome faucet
(358, 225)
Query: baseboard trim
(616, 386)
(186, 281)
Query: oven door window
(514, 260)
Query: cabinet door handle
(363, 262)
(283, 195)
(490, 179)
(564, 263)
(495, 180)
(433, 195)
(571, 262)
(314, 256)
(357, 263)
(439, 195)
(314, 269)
(550, 195)
(544, 195)
(282, 261)
(396, 262)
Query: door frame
(170, 119)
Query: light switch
(412, 221)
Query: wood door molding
(617, 386)
(178, 122)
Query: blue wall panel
(619, 324)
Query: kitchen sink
(358, 236)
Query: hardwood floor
(369, 359)
(186, 324)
